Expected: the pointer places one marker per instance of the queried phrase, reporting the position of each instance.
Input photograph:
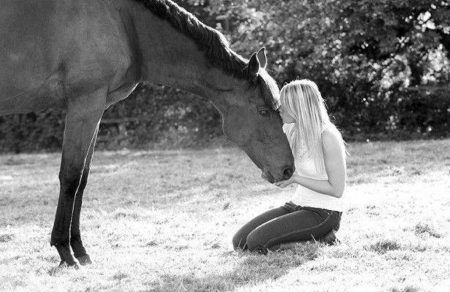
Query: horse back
(55, 50)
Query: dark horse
(86, 55)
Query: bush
(32, 132)
(151, 117)
(159, 117)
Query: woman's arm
(334, 157)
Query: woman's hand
(334, 158)
(285, 183)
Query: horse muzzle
(286, 174)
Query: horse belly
(28, 69)
(52, 51)
(48, 94)
(26, 85)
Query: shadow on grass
(249, 269)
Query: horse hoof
(65, 264)
(84, 260)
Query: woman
(319, 153)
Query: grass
(163, 221)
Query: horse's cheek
(237, 127)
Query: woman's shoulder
(332, 138)
(330, 129)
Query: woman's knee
(243, 242)
(254, 241)
(239, 241)
(256, 244)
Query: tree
(382, 66)
(365, 55)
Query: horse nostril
(287, 173)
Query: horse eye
(265, 113)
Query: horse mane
(210, 41)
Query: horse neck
(171, 58)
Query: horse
(85, 55)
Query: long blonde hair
(302, 100)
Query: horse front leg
(75, 235)
(81, 126)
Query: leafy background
(382, 66)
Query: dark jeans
(285, 224)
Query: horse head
(251, 120)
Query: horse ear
(253, 67)
(262, 57)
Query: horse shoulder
(102, 54)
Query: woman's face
(287, 118)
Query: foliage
(32, 132)
(382, 66)
(152, 117)
(375, 61)
(159, 115)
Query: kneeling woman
(319, 153)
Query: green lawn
(163, 221)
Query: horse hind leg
(75, 239)
(81, 126)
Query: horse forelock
(208, 40)
(269, 89)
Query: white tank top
(305, 166)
